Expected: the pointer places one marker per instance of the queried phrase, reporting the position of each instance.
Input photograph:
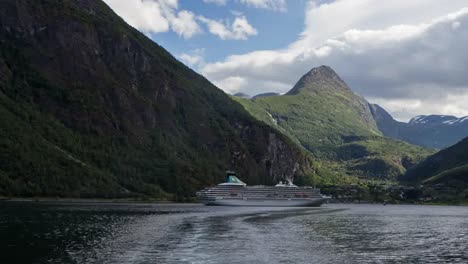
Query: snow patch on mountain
(437, 119)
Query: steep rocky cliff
(89, 106)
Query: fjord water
(191, 233)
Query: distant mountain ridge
(265, 95)
(246, 96)
(432, 131)
(437, 119)
(242, 95)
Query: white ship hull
(236, 193)
(267, 202)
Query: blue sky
(275, 29)
(410, 57)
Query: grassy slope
(327, 173)
(317, 121)
(329, 126)
(449, 165)
(456, 174)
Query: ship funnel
(231, 179)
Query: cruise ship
(234, 192)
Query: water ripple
(138, 233)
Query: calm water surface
(139, 233)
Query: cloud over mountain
(408, 56)
(275, 5)
(240, 29)
(155, 16)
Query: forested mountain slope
(89, 106)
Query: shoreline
(156, 201)
(461, 203)
(86, 200)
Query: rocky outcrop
(323, 80)
(319, 79)
(385, 122)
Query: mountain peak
(242, 95)
(319, 79)
(324, 69)
(380, 113)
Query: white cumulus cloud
(155, 16)
(194, 58)
(217, 2)
(184, 24)
(278, 5)
(275, 5)
(239, 29)
(408, 53)
(231, 84)
(190, 59)
(147, 16)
